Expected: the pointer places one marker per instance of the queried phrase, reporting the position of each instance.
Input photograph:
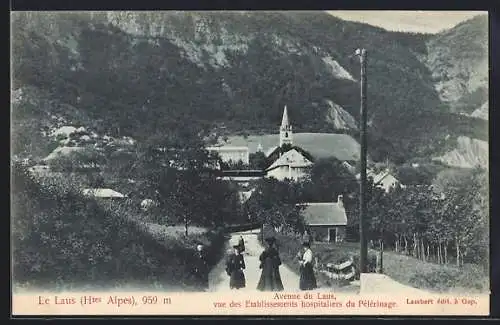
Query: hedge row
(63, 240)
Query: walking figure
(307, 236)
(307, 277)
(270, 278)
(235, 264)
(241, 244)
(200, 269)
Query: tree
(83, 160)
(258, 160)
(329, 179)
(376, 205)
(234, 165)
(465, 213)
(274, 203)
(176, 171)
(119, 166)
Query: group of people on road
(270, 261)
(234, 266)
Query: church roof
(324, 214)
(271, 150)
(291, 158)
(319, 145)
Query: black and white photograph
(250, 151)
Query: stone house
(326, 221)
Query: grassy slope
(404, 269)
(433, 277)
(414, 272)
(63, 241)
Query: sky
(408, 21)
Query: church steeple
(285, 129)
(284, 120)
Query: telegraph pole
(362, 185)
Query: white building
(232, 154)
(383, 179)
(292, 165)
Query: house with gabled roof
(291, 165)
(384, 179)
(325, 221)
(319, 145)
(288, 155)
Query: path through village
(219, 280)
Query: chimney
(340, 201)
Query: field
(320, 145)
(403, 269)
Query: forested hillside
(136, 74)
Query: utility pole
(362, 185)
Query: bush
(444, 279)
(63, 240)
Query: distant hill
(137, 74)
(458, 59)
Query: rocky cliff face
(458, 59)
(339, 117)
(469, 153)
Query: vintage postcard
(250, 163)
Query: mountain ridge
(240, 70)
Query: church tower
(285, 130)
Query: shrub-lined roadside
(64, 241)
(434, 277)
(290, 245)
(404, 269)
(412, 271)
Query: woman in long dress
(241, 244)
(307, 277)
(235, 265)
(200, 269)
(307, 237)
(270, 278)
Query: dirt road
(219, 280)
